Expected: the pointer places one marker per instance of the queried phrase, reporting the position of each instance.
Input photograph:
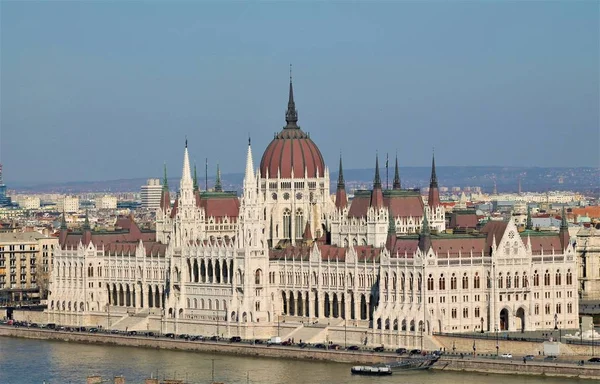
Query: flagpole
(387, 177)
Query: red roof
(219, 207)
(463, 220)
(328, 253)
(292, 149)
(400, 203)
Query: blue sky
(106, 90)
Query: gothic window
(515, 248)
(287, 224)
(500, 280)
(536, 279)
(454, 313)
(257, 276)
(453, 281)
(476, 311)
(517, 280)
(299, 223)
(465, 313)
(442, 282)
(508, 280)
(430, 283)
(558, 278)
(465, 282)
(569, 277)
(476, 280)
(547, 278)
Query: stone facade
(588, 259)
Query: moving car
(401, 351)
(353, 348)
(506, 355)
(235, 339)
(529, 357)
(594, 360)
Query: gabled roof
(220, 205)
(401, 203)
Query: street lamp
(556, 321)
(345, 325)
(482, 325)
(278, 325)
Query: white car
(506, 355)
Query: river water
(53, 362)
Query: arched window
(558, 278)
(508, 280)
(517, 280)
(465, 281)
(430, 283)
(536, 278)
(257, 276)
(476, 280)
(287, 223)
(299, 223)
(442, 282)
(453, 281)
(547, 278)
(500, 280)
(569, 277)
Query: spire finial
(186, 141)
(377, 180)
(396, 184)
(249, 140)
(63, 221)
(291, 116)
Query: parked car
(320, 346)
(131, 333)
(506, 355)
(550, 358)
(335, 347)
(93, 330)
(286, 342)
(401, 351)
(235, 339)
(214, 338)
(378, 349)
(197, 338)
(415, 352)
(259, 341)
(170, 335)
(183, 336)
(353, 348)
(302, 345)
(594, 360)
(529, 357)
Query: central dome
(292, 149)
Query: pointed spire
(63, 221)
(165, 181)
(563, 233)
(291, 116)
(563, 219)
(341, 199)
(425, 235)
(433, 181)
(195, 178)
(218, 186)
(529, 222)
(392, 224)
(186, 174)
(341, 183)
(396, 184)
(377, 180)
(249, 176)
(434, 193)
(307, 235)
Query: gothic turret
(291, 115)
(434, 193)
(396, 184)
(341, 199)
(376, 194)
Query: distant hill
(585, 179)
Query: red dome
(292, 149)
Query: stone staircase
(134, 322)
(308, 333)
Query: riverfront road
(564, 368)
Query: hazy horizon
(93, 91)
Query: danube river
(53, 362)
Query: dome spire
(291, 116)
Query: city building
(106, 202)
(68, 204)
(379, 269)
(4, 200)
(25, 266)
(588, 257)
(27, 202)
(150, 194)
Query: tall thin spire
(434, 193)
(341, 182)
(433, 181)
(218, 186)
(249, 176)
(341, 199)
(291, 115)
(195, 178)
(165, 181)
(377, 180)
(563, 233)
(186, 174)
(425, 235)
(396, 184)
(63, 221)
(563, 220)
